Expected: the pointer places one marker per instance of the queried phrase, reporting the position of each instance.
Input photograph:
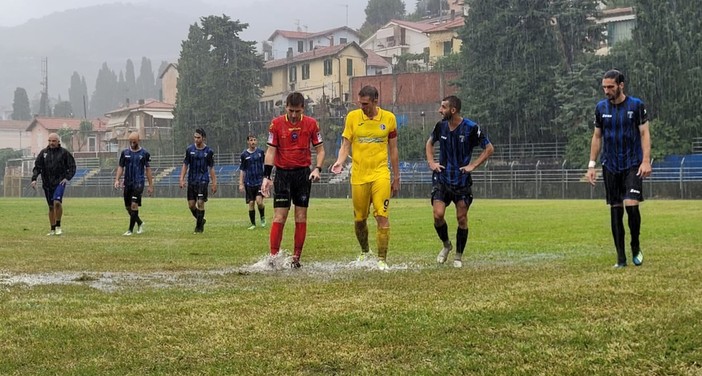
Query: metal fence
(511, 180)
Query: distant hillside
(81, 40)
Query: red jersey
(292, 141)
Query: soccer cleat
(140, 229)
(51, 233)
(457, 263)
(362, 257)
(263, 223)
(58, 231)
(382, 265)
(619, 265)
(443, 254)
(295, 263)
(638, 258)
(128, 233)
(252, 227)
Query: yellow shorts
(363, 195)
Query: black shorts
(292, 185)
(451, 193)
(625, 185)
(133, 194)
(54, 194)
(197, 191)
(252, 191)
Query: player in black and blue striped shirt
(451, 180)
(251, 178)
(134, 164)
(199, 166)
(622, 133)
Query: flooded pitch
(278, 266)
(112, 281)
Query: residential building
(40, 128)
(376, 64)
(322, 72)
(399, 37)
(152, 119)
(443, 38)
(285, 43)
(619, 22)
(14, 135)
(169, 83)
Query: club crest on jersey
(294, 136)
(382, 126)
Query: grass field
(537, 294)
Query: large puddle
(111, 281)
(280, 266)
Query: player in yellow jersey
(371, 133)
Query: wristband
(267, 171)
(591, 164)
(319, 168)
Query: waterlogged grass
(536, 296)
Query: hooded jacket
(54, 165)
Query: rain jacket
(54, 165)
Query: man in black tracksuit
(56, 167)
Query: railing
(697, 145)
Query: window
(343, 40)
(300, 46)
(92, 143)
(349, 67)
(328, 67)
(305, 71)
(448, 48)
(292, 74)
(311, 45)
(266, 79)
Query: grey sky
(314, 15)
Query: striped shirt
(455, 149)
(134, 164)
(621, 138)
(199, 162)
(252, 165)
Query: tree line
(112, 90)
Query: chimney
(127, 101)
(141, 102)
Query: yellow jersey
(369, 144)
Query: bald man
(56, 167)
(134, 163)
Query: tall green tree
(78, 95)
(159, 84)
(665, 71)
(104, 97)
(513, 51)
(146, 83)
(130, 82)
(63, 109)
(218, 85)
(44, 104)
(20, 105)
(380, 12)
